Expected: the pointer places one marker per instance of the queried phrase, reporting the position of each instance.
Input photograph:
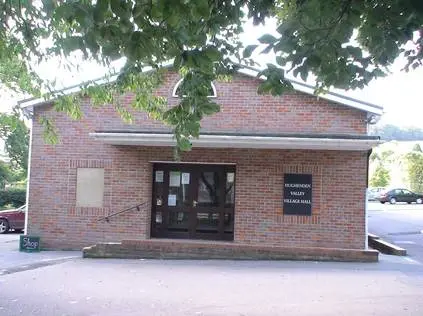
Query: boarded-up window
(90, 187)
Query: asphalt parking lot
(401, 224)
(210, 287)
(62, 283)
(12, 260)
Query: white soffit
(229, 141)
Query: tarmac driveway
(401, 224)
(157, 287)
(11, 260)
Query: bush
(380, 177)
(415, 170)
(14, 197)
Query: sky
(399, 93)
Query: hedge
(14, 197)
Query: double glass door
(193, 201)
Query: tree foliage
(5, 175)
(417, 148)
(415, 170)
(344, 43)
(15, 135)
(13, 197)
(374, 156)
(347, 43)
(380, 177)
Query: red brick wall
(339, 178)
(244, 111)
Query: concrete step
(194, 249)
(385, 247)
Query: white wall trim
(28, 180)
(228, 141)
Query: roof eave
(229, 141)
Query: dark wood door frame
(161, 212)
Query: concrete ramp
(199, 249)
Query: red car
(12, 219)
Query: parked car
(374, 192)
(12, 219)
(400, 195)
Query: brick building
(286, 173)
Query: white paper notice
(230, 177)
(185, 178)
(171, 200)
(174, 179)
(159, 176)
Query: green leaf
(210, 108)
(120, 8)
(202, 8)
(248, 51)
(213, 54)
(184, 144)
(267, 49)
(280, 61)
(50, 133)
(100, 10)
(267, 39)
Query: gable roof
(373, 111)
(342, 99)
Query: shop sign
(29, 243)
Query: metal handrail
(138, 207)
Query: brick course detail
(339, 178)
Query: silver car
(374, 192)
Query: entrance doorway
(193, 201)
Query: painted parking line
(405, 242)
(412, 261)
(398, 260)
(415, 232)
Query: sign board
(174, 179)
(230, 177)
(159, 176)
(185, 178)
(171, 200)
(297, 193)
(29, 243)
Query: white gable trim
(372, 110)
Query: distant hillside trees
(392, 132)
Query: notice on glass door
(185, 178)
(171, 200)
(174, 179)
(159, 176)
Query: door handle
(194, 203)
